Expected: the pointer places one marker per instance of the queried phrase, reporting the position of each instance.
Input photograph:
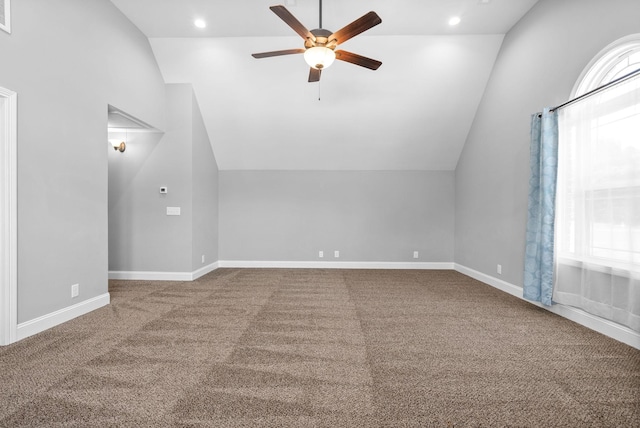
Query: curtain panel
(539, 250)
(598, 205)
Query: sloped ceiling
(413, 113)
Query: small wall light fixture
(118, 145)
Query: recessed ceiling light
(455, 20)
(200, 23)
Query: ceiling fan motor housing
(322, 39)
(324, 56)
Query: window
(616, 60)
(598, 193)
(600, 152)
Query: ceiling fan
(320, 44)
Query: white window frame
(596, 74)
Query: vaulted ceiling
(413, 113)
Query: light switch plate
(173, 210)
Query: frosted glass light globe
(319, 57)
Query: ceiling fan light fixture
(319, 57)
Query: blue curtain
(538, 263)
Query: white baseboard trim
(150, 276)
(507, 287)
(190, 276)
(163, 276)
(606, 327)
(204, 270)
(333, 265)
(45, 322)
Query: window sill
(599, 265)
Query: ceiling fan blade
(356, 59)
(314, 74)
(358, 26)
(278, 53)
(292, 22)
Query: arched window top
(616, 60)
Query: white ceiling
(413, 113)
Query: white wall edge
(333, 265)
(45, 322)
(603, 326)
(9, 218)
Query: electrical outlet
(415, 254)
(75, 290)
(320, 254)
(336, 254)
(203, 258)
(499, 269)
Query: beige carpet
(318, 348)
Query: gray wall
(205, 194)
(142, 237)
(366, 215)
(540, 60)
(64, 83)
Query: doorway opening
(130, 143)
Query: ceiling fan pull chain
(318, 91)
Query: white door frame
(8, 216)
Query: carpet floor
(318, 348)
